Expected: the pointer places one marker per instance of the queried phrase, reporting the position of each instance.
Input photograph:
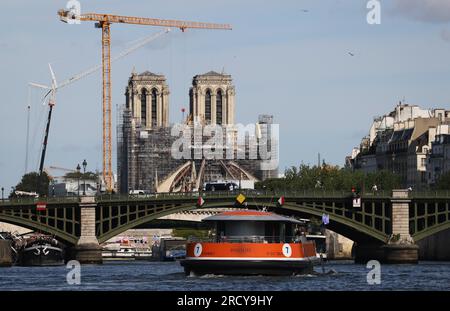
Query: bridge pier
(87, 250)
(400, 247)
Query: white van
(137, 192)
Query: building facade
(438, 162)
(146, 140)
(401, 143)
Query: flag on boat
(281, 200)
(325, 219)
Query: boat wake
(212, 276)
(329, 272)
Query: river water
(169, 276)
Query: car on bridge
(220, 186)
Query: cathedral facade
(145, 159)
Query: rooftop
(148, 73)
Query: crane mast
(107, 106)
(104, 22)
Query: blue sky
(286, 62)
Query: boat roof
(251, 216)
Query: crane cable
(28, 129)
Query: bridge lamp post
(3, 198)
(78, 173)
(393, 163)
(84, 177)
(364, 162)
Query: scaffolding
(145, 159)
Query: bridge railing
(246, 192)
(211, 194)
(429, 194)
(28, 201)
(317, 193)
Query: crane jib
(109, 18)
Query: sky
(287, 58)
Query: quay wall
(5, 253)
(435, 247)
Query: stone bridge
(385, 227)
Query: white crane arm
(41, 86)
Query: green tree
(33, 182)
(87, 175)
(330, 178)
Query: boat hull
(42, 255)
(250, 258)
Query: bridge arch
(62, 221)
(356, 225)
(371, 223)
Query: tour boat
(251, 243)
(127, 249)
(169, 249)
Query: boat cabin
(255, 227)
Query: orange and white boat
(251, 242)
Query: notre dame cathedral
(145, 136)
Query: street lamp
(3, 198)
(84, 177)
(364, 163)
(78, 174)
(393, 163)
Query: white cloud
(430, 11)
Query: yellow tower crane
(104, 22)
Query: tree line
(335, 178)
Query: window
(144, 107)
(191, 102)
(219, 107)
(154, 101)
(127, 100)
(208, 106)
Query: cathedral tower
(212, 99)
(147, 97)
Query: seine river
(169, 276)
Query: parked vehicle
(220, 186)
